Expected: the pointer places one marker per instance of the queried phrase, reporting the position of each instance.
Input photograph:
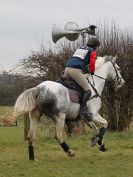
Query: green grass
(53, 162)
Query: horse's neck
(102, 72)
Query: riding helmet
(93, 41)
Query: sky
(26, 24)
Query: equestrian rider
(86, 55)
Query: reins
(95, 90)
(99, 77)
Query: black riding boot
(86, 96)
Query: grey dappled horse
(53, 99)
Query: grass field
(53, 162)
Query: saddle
(75, 91)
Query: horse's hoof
(71, 153)
(94, 141)
(103, 148)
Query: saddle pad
(74, 96)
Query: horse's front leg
(93, 126)
(34, 119)
(94, 139)
(99, 137)
(59, 128)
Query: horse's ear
(115, 58)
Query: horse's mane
(100, 61)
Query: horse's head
(115, 74)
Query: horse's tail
(26, 101)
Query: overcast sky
(24, 24)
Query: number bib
(80, 53)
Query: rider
(86, 55)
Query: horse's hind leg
(34, 119)
(59, 128)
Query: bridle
(117, 78)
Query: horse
(53, 99)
